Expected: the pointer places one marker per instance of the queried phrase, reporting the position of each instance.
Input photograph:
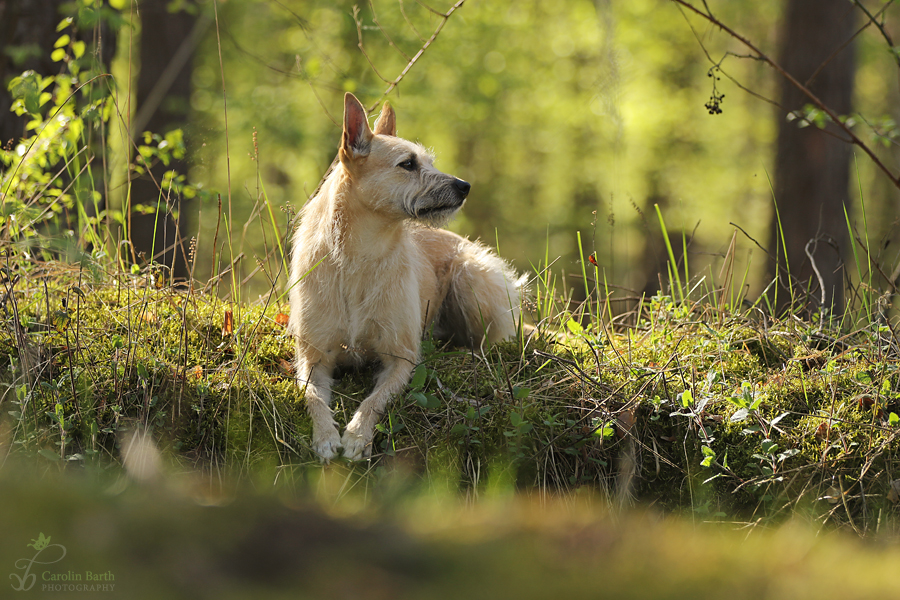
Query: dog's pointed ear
(387, 122)
(357, 135)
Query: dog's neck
(355, 231)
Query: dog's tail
(484, 297)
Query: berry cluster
(713, 106)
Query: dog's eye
(409, 164)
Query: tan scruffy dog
(371, 271)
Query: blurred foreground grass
(172, 538)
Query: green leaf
(747, 392)
(739, 415)
(418, 378)
(58, 54)
(520, 393)
(33, 103)
(420, 399)
(603, 430)
(787, 454)
(778, 419)
(709, 455)
(574, 327)
(893, 419)
(62, 41)
(687, 398)
(78, 49)
(49, 454)
(737, 401)
(458, 429)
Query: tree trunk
(812, 167)
(163, 103)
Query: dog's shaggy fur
(370, 271)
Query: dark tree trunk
(812, 167)
(163, 102)
(27, 34)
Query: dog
(371, 271)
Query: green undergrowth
(724, 415)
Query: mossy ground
(727, 415)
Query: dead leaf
(282, 319)
(832, 495)
(894, 492)
(286, 366)
(625, 422)
(228, 325)
(865, 401)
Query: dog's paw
(326, 444)
(356, 445)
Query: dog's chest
(373, 304)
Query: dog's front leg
(326, 442)
(391, 380)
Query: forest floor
(574, 446)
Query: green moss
(719, 415)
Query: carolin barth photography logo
(52, 579)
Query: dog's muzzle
(444, 202)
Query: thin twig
(444, 18)
(880, 26)
(362, 47)
(315, 92)
(815, 268)
(840, 48)
(385, 33)
(224, 106)
(410, 23)
(854, 139)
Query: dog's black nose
(462, 187)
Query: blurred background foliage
(571, 116)
(566, 116)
